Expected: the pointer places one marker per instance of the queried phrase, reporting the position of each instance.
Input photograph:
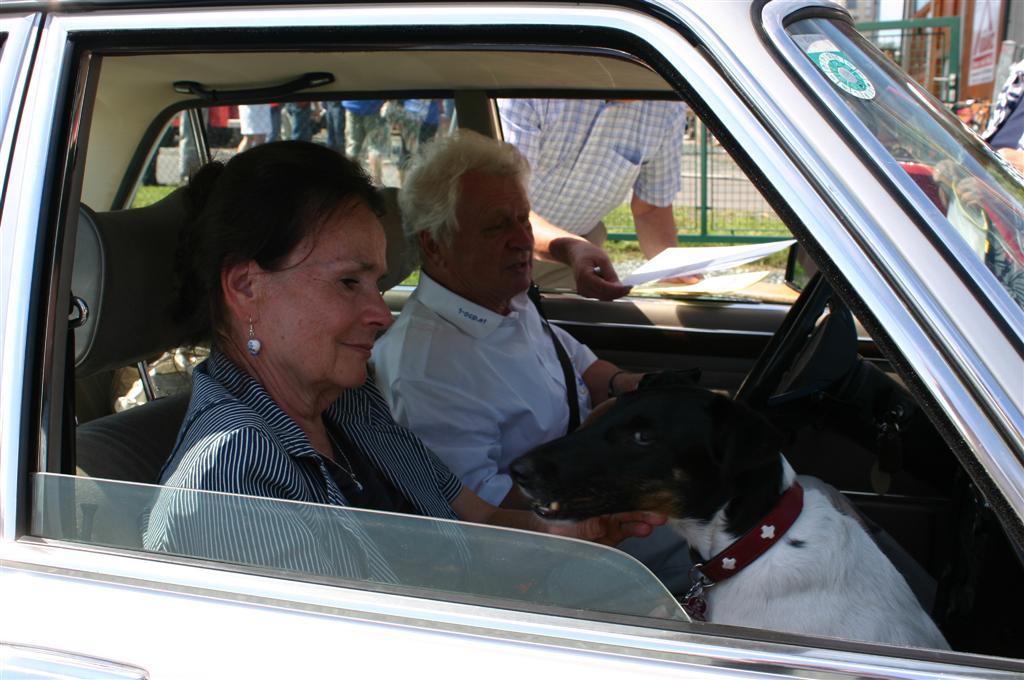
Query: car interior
(854, 415)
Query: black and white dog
(773, 554)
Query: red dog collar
(744, 551)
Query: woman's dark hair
(259, 206)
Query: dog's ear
(742, 439)
(672, 378)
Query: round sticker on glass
(845, 75)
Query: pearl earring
(253, 344)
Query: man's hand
(610, 529)
(593, 271)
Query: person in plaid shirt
(585, 157)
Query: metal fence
(717, 202)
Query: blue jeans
(302, 124)
(335, 118)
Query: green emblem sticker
(845, 75)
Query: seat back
(401, 253)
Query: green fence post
(703, 180)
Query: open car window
(978, 192)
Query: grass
(148, 195)
(722, 221)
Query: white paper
(693, 261)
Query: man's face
(490, 259)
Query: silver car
(905, 222)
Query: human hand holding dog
(609, 529)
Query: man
(585, 158)
(470, 366)
(1005, 130)
(470, 351)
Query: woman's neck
(304, 404)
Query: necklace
(348, 468)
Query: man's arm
(604, 379)
(655, 227)
(591, 267)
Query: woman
(285, 247)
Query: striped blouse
(236, 439)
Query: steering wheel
(807, 352)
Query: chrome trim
(19, 225)
(15, 60)
(82, 307)
(693, 648)
(39, 663)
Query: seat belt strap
(568, 372)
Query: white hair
(430, 193)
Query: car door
(189, 615)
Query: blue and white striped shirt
(236, 439)
(586, 154)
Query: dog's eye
(642, 438)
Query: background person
(585, 157)
(285, 247)
(366, 134)
(1005, 129)
(254, 124)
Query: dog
(715, 468)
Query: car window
(437, 558)
(980, 194)
(676, 158)
(383, 134)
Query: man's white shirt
(479, 388)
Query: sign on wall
(984, 41)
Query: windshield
(980, 194)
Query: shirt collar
(469, 317)
(251, 392)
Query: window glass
(604, 166)
(382, 134)
(980, 195)
(323, 542)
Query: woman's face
(319, 315)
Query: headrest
(400, 255)
(124, 271)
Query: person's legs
(335, 125)
(376, 135)
(275, 124)
(355, 133)
(302, 123)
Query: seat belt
(568, 372)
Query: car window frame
(40, 196)
(991, 295)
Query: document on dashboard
(695, 260)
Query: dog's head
(678, 450)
